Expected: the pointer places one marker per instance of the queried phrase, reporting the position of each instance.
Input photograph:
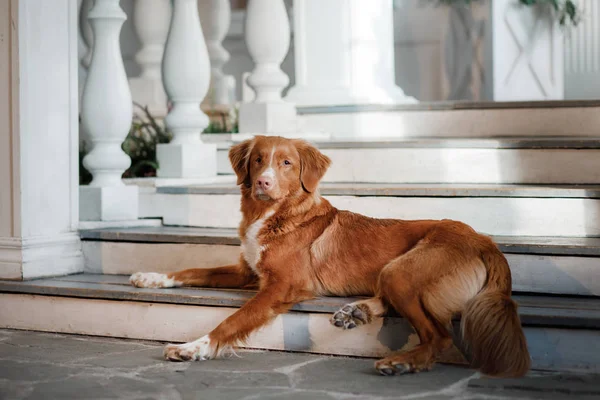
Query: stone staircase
(561, 331)
(538, 197)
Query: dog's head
(274, 168)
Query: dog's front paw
(174, 352)
(152, 280)
(200, 349)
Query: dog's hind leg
(405, 283)
(359, 313)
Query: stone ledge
(535, 310)
(582, 246)
(415, 190)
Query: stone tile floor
(37, 365)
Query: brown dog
(296, 245)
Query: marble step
(560, 330)
(567, 266)
(456, 160)
(507, 210)
(456, 119)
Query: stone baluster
(151, 20)
(186, 77)
(215, 17)
(267, 32)
(106, 117)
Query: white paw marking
(152, 280)
(201, 349)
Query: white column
(38, 140)
(106, 117)
(151, 20)
(349, 59)
(267, 31)
(215, 17)
(186, 76)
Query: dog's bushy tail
(490, 325)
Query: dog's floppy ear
(313, 165)
(239, 156)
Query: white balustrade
(106, 116)
(186, 77)
(267, 32)
(151, 20)
(215, 17)
(344, 53)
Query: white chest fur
(251, 246)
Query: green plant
(140, 144)
(566, 11)
(145, 133)
(228, 123)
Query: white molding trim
(40, 256)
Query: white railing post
(151, 20)
(186, 77)
(267, 32)
(215, 17)
(344, 53)
(106, 115)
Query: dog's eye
(258, 160)
(286, 162)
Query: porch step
(456, 119)
(560, 330)
(505, 210)
(549, 160)
(543, 265)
